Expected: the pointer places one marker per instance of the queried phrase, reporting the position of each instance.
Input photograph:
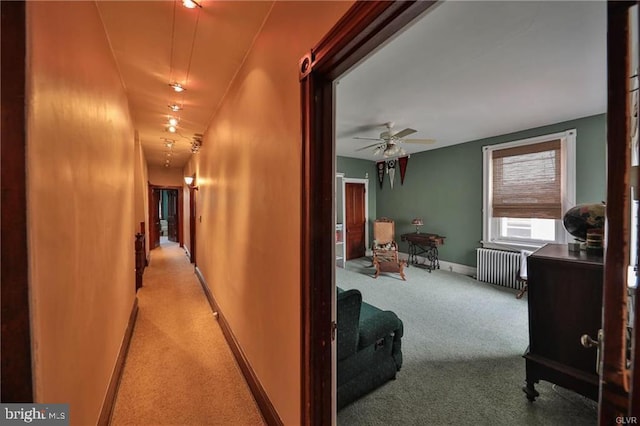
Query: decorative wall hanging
(391, 170)
(403, 167)
(380, 165)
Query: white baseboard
(446, 266)
(459, 268)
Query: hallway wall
(166, 176)
(249, 174)
(80, 192)
(141, 191)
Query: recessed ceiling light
(171, 129)
(190, 4)
(173, 121)
(175, 107)
(177, 87)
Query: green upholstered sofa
(369, 346)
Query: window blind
(526, 181)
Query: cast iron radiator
(499, 267)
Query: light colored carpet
(179, 369)
(462, 348)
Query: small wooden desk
(423, 244)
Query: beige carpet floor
(179, 369)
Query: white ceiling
(470, 70)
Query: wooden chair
(385, 248)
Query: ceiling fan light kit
(389, 143)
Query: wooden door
(172, 214)
(154, 212)
(355, 220)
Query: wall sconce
(418, 223)
(191, 181)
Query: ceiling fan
(389, 143)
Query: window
(527, 186)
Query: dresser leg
(530, 390)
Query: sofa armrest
(377, 326)
(348, 316)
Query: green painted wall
(356, 168)
(444, 186)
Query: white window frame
(490, 229)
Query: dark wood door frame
(16, 380)
(179, 212)
(192, 224)
(615, 379)
(362, 29)
(154, 218)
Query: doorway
(165, 220)
(168, 214)
(365, 26)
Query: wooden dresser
(565, 302)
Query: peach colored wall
(166, 176)
(80, 192)
(248, 243)
(141, 191)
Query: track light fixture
(177, 87)
(191, 4)
(176, 83)
(196, 142)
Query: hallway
(179, 369)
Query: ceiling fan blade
(422, 141)
(403, 133)
(366, 139)
(367, 147)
